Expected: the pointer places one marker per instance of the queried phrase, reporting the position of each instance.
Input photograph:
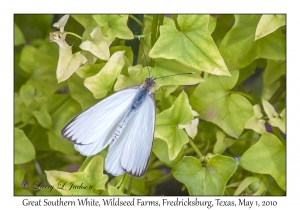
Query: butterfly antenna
(172, 75)
(144, 54)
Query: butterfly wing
(92, 129)
(131, 152)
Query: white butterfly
(125, 121)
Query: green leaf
(114, 191)
(256, 123)
(273, 71)
(24, 150)
(92, 178)
(117, 25)
(134, 77)
(160, 149)
(43, 118)
(239, 49)
(268, 24)
(18, 36)
(42, 67)
(212, 24)
(89, 70)
(275, 119)
(256, 184)
(267, 156)
(61, 116)
(222, 143)
(98, 45)
(85, 20)
(80, 93)
(19, 174)
(208, 180)
(17, 111)
(166, 126)
(27, 94)
(102, 82)
(193, 46)
(214, 103)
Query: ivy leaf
(117, 25)
(24, 150)
(212, 24)
(160, 149)
(27, 94)
(193, 46)
(208, 180)
(275, 119)
(87, 21)
(43, 118)
(80, 93)
(256, 184)
(89, 70)
(239, 49)
(256, 123)
(19, 174)
(133, 78)
(18, 36)
(273, 71)
(214, 103)
(114, 191)
(166, 126)
(267, 156)
(60, 117)
(61, 23)
(222, 143)
(102, 82)
(98, 45)
(268, 24)
(92, 177)
(41, 66)
(67, 62)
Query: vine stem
(195, 148)
(160, 180)
(136, 20)
(278, 93)
(124, 181)
(73, 34)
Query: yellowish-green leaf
(214, 103)
(191, 128)
(267, 156)
(208, 180)
(24, 150)
(134, 77)
(160, 149)
(268, 24)
(103, 82)
(279, 122)
(18, 36)
(114, 191)
(67, 62)
(212, 24)
(27, 94)
(87, 21)
(98, 45)
(43, 118)
(239, 49)
(273, 71)
(166, 127)
(117, 25)
(91, 179)
(19, 174)
(222, 143)
(256, 123)
(193, 46)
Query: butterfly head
(150, 83)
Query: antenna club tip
(139, 37)
(193, 72)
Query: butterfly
(125, 121)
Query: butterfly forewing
(96, 123)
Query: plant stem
(174, 17)
(195, 148)
(154, 30)
(160, 180)
(242, 94)
(155, 164)
(73, 34)
(136, 20)
(123, 184)
(161, 22)
(277, 94)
